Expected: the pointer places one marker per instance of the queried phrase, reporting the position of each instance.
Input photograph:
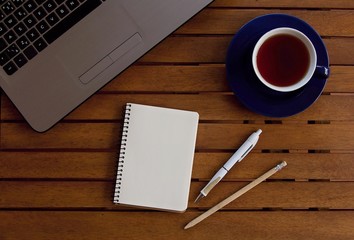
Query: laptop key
(20, 29)
(2, 15)
(39, 13)
(17, 3)
(23, 42)
(40, 44)
(10, 36)
(73, 18)
(3, 44)
(20, 60)
(3, 29)
(52, 19)
(42, 26)
(39, 2)
(59, 1)
(10, 21)
(30, 21)
(30, 52)
(10, 68)
(49, 5)
(20, 13)
(72, 4)
(8, 8)
(12, 51)
(30, 6)
(32, 34)
(62, 11)
(3, 58)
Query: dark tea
(283, 60)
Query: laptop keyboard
(29, 26)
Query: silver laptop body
(90, 54)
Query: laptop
(54, 54)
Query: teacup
(284, 59)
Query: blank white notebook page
(158, 157)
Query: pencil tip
(187, 226)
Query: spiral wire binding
(122, 152)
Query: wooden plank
(154, 225)
(300, 166)
(338, 50)
(229, 21)
(203, 78)
(183, 49)
(284, 195)
(317, 4)
(278, 136)
(340, 80)
(106, 136)
(58, 165)
(127, 225)
(75, 194)
(102, 165)
(209, 107)
(71, 136)
(189, 50)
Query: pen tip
(199, 197)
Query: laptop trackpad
(111, 58)
(86, 46)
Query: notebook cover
(156, 157)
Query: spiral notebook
(156, 157)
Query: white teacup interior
(311, 51)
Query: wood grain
(106, 136)
(99, 195)
(58, 165)
(211, 107)
(316, 4)
(59, 184)
(229, 21)
(101, 166)
(153, 225)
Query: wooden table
(59, 184)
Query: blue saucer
(244, 82)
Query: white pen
(245, 148)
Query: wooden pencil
(236, 195)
